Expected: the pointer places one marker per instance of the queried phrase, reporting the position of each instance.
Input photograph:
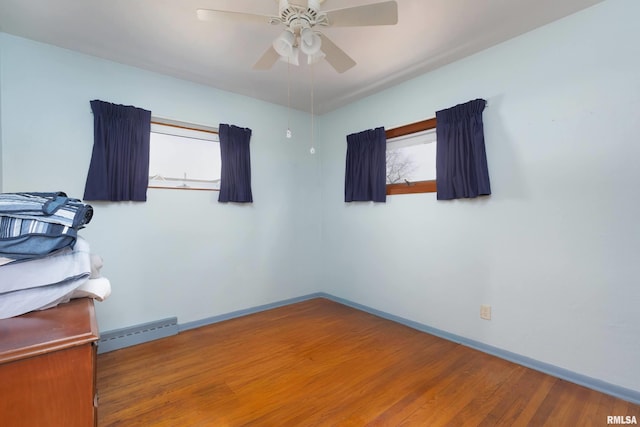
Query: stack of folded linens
(43, 261)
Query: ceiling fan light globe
(283, 44)
(310, 42)
(282, 48)
(292, 58)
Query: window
(183, 156)
(411, 158)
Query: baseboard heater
(121, 338)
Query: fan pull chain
(289, 99)
(312, 150)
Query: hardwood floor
(319, 363)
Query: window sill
(412, 188)
(182, 188)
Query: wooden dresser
(48, 367)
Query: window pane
(181, 158)
(411, 158)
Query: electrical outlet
(485, 312)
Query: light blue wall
(182, 253)
(555, 249)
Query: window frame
(187, 126)
(414, 187)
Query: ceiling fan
(301, 20)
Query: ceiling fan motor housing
(299, 16)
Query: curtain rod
(182, 125)
(155, 120)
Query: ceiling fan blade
(385, 13)
(336, 56)
(267, 60)
(212, 14)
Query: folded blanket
(36, 224)
(62, 266)
(99, 289)
(31, 238)
(55, 208)
(23, 301)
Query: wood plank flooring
(319, 363)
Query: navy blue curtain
(461, 159)
(366, 169)
(235, 175)
(119, 168)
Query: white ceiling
(165, 36)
